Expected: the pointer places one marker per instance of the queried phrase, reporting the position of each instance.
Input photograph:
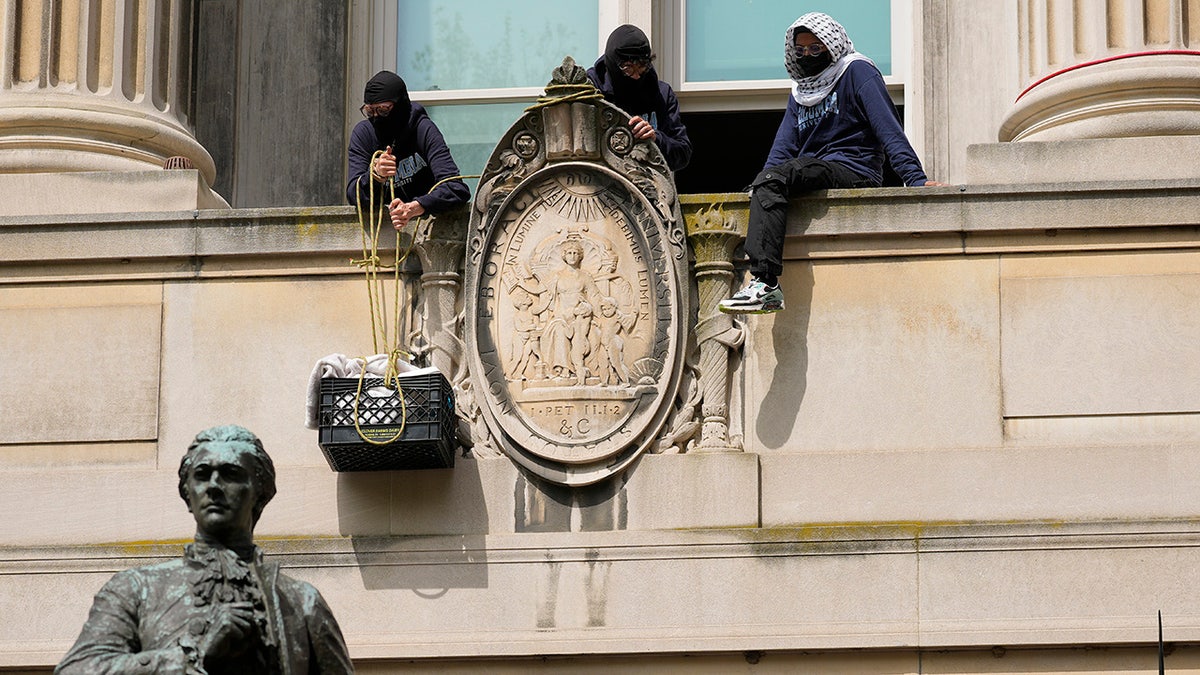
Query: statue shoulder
(304, 607)
(138, 579)
(300, 593)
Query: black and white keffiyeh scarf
(809, 91)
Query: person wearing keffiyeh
(839, 128)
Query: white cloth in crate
(340, 365)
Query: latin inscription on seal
(574, 314)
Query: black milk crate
(429, 440)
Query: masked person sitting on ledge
(626, 77)
(839, 125)
(414, 159)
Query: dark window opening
(729, 149)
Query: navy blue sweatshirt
(855, 125)
(661, 111)
(422, 159)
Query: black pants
(769, 195)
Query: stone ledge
(835, 224)
(185, 245)
(818, 539)
(106, 192)
(927, 586)
(1096, 159)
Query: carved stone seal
(576, 292)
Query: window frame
(376, 20)
(733, 95)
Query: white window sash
(710, 96)
(664, 23)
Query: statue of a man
(220, 608)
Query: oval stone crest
(575, 296)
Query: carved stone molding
(714, 230)
(440, 246)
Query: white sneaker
(756, 298)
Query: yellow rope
(370, 227)
(399, 392)
(370, 261)
(377, 296)
(583, 92)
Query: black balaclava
(629, 43)
(384, 87)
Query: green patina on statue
(220, 608)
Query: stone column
(713, 234)
(440, 248)
(1106, 69)
(96, 85)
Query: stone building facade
(968, 445)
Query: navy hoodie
(661, 111)
(422, 159)
(855, 125)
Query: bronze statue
(220, 608)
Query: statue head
(572, 251)
(226, 478)
(521, 299)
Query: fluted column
(95, 85)
(1106, 69)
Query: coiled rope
(581, 92)
(370, 225)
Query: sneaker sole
(749, 310)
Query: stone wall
(270, 99)
(973, 429)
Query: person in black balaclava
(839, 128)
(626, 77)
(414, 159)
